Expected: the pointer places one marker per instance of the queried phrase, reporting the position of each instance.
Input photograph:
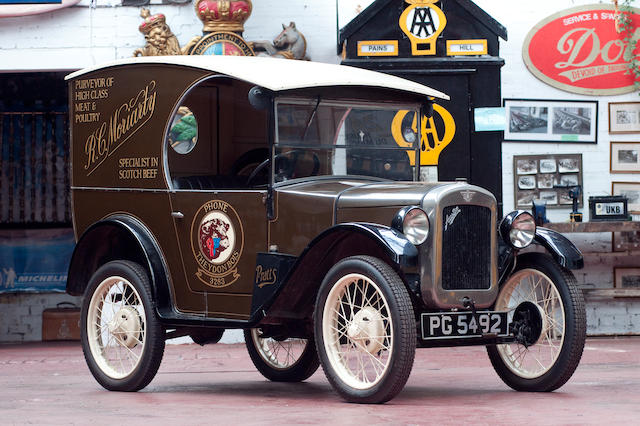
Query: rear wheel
(365, 330)
(547, 312)
(281, 360)
(122, 339)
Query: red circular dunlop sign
(579, 50)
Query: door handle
(177, 215)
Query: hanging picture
(624, 157)
(624, 117)
(546, 177)
(631, 190)
(626, 241)
(551, 121)
(626, 278)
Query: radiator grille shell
(466, 247)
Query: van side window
(216, 139)
(183, 133)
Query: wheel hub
(366, 330)
(528, 323)
(125, 326)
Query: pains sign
(579, 50)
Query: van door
(220, 222)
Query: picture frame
(625, 241)
(626, 278)
(560, 121)
(547, 177)
(624, 157)
(632, 191)
(624, 117)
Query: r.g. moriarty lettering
(122, 124)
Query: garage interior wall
(81, 36)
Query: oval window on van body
(183, 134)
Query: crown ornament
(151, 21)
(223, 15)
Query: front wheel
(365, 330)
(547, 313)
(122, 338)
(281, 360)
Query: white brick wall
(80, 36)
(21, 314)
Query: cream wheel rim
(116, 327)
(278, 354)
(531, 285)
(357, 331)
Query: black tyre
(122, 339)
(365, 330)
(547, 361)
(288, 360)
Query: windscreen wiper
(311, 116)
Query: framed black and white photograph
(624, 117)
(626, 241)
(526, 167)
(568, 165)
(549, 197)
(631, 190)
(546, 181)
(527, 182)
(569, 180)
(548, 165)
(531, 120)
(626, 278)
(548, 178)
(624, 157)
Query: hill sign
(578, 50)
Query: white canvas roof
(282, 74)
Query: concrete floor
(217, 384)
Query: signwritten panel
(578, 50)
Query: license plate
(463, 324)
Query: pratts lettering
(265, 276)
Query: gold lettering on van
(127, 119)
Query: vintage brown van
(214, 193)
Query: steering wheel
(285, 166)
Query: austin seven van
(272, 196)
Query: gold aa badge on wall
(217, 239)
(422, 22)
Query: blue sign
(489, 119)
(35, 260)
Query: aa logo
(437, 132)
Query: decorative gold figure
(160, 40)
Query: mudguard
(563, 250)
(115, 238)
(399, 249)
(296, 295)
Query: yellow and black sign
(466, 47)
(434, 138)
(422, 22)
(378, 48)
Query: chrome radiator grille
(466, 247)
